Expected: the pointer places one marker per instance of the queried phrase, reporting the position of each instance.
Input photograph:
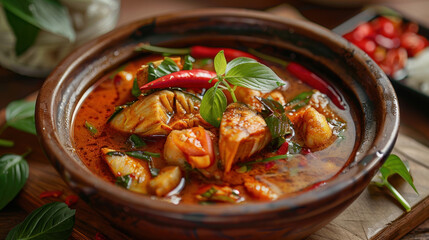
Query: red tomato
(364, 30)
(388, 43)
(366, 45)
(411, 27)
(395, 60)
(386, 27)
(413, 43)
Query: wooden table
(414, 122)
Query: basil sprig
(394, 165)
(27, 17)
(13, 175)
(244, 72)
(53, 221)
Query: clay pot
(367, 90)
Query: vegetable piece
(394, 165)
(192, 145)
(20, 115)
(71, 200)
(50, 221)
(214, 193)
(159, 113)
(259, 190)
(122, 165)
(167, 180)
(53, 194)
(197, 51)
(13, 175)
(196, 78)
(242, 133)
(91, 128)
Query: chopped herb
(394, 165)
(115, 153)
(124, 181)
(153, 171)
(205, 61)
(275, 117)
(151, 73)
(135, 91)
(6, 143)
(166, 67)
(209, 193)
(188, 62)
(136, 141)
(140, 155)
(244, 169)
(300, 100)
(222, 198)
(294, 148)
(119, 109)
(91, 128)
(206, 203)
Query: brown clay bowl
(367, 90)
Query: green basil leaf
(136, 141)
(213, 105)
(51, 221)
(253, 75)
(49, 15)
(91, 128)
(238, 61)
(188, 62)
(6, 143)
(124, 181)
(20, 115)
(151, 71)
(275, 117)
(13, 175)
(394, 165)
(167, 66)
(135, 91)
(220, 63)
(24, 32)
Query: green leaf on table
(25, 33)
(20, 115)
(188, 62)
(51, 221)
(394, 165)
(49, 15)
(213, 105)
(13, 175)
(220, 63)
(254, 75)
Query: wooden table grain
(414, 120)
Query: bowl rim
(68, 168)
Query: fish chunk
(121, 165)
(242, 133)
(167, 180)
(159, 114)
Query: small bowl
(367, 90)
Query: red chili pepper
(99, 236)
(305, 151)
(71, 200)
(196, 78)
(47, 194)
(269, 165)
(210, 52)
(316, 82)
(283, 148)
(198, 51)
